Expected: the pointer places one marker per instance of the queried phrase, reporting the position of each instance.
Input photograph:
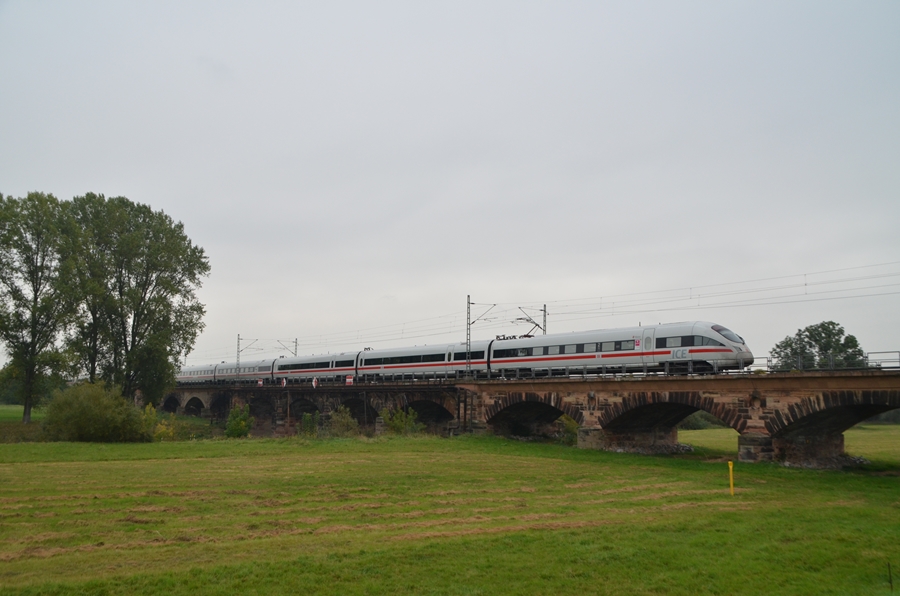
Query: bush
(149, 419)
(93, 413)
(309, 425)
(239, 423)
(568, 433)
(401, 422)
(890, 417)
(342, 423)
(700, 420)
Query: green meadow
(426, 515)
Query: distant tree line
(95, 288)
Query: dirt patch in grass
(503, 530)
(140, 520)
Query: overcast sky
(355, 169)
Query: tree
(89, 236)
(834, 349)
(36, 299)
(138, 273)
(823, 345)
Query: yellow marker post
(731, 476)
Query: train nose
(745, 357)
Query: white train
(694, 346)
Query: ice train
(694, 346)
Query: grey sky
(356, 165)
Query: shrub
(239, 423)
(890, 417)
(149, 419)
(309, 425)
(401, 422)
(568, 434)
(166, 429)
(90, 412)
(342, 423)
(700, 420)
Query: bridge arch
(431, 412)
(526, 413)
(219, 406)
(662, 409)
(361, 410)
(300, 406)
(831, 412)
(170, 404)
(194, 407)
(810, 432)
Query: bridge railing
(883, 360)
(832, 362)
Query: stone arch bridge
(793, 417)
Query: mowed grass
(468, 515)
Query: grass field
(469, 515)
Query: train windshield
(728, 334)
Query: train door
(648, 346)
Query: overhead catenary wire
(450, 327)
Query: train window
(608, 346)
(512, 353)
(264, 369)
(553, 350)
(537, 351)
(728, 334)
(433, 358)
(625, 345)
(403, 359)
(373, 361)
(304, 365)
(479, 355)
(590, 347)
(341, 363)
(699, 340)
(570, 349)
(673, 342)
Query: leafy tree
(137, 273)
(90, 237)
(823, 345)
(10, 385)
(830, 342)
(794, 352)
(36, 298)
